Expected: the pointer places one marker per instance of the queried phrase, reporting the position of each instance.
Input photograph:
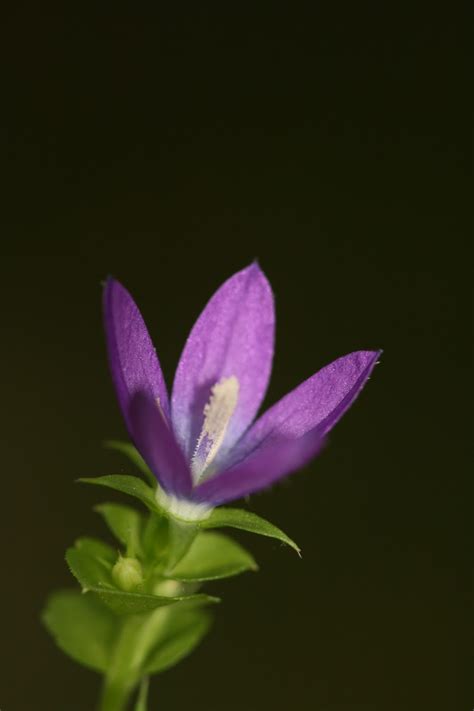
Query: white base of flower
(182, 509)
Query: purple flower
(202, 445)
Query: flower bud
(127, 573)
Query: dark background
(170, 151)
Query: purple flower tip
(204, 446)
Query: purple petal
(273, 460)
(132, 357)
(292, 430)
(318, 402)
(156, 443)
(233, 336)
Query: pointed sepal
(247, 521)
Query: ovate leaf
(246, 521)
(82, 627)
(181, 633)
(212, 556)
(91, 563)
(97, 549)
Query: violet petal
(233, 337)
(133, 361)
(292, 430)
(273, 460)
(156, 443)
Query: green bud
(127, 573)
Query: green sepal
(82, 627)
(246, 521)
(134, 456)
(221, 517)
(212, 556)
(155, 537)
(181, 537)
(91, 564)
(182, 631)
(131, 485)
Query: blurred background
(170, 151)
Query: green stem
(133, 645)
(115, 694)
(142, 696)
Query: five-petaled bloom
(202, 445)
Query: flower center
(182, 509)
(217, 414)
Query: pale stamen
(217, 415)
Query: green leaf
(131, 485)
(91, 563)
(132, 603)
(134, 456)
(82, 627)
(125, 523)
(181, 633)
(210, 557)
(142, 700)
(246, 521)
(97, 549)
